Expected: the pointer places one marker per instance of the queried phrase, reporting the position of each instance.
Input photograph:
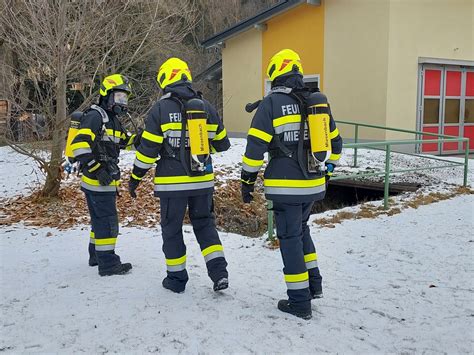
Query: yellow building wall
(241, 73)
(300, 29)
(355, 62)
(421, 28)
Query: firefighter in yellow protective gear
(182, 129)
(96, 145)
(295, 125)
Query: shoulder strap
(103, 114)
(304, 117)
(182, 145)
(280, 90)
(105, 119)
(182, 142)
(251, 106)
(166, 96)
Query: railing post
(270, 219)
(356, 140)
(466, 162)
(387, 177)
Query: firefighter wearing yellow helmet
(182, 129)
(96, 145)
(295, 125)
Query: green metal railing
(387, 147)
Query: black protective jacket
(277, 122)
(161, 140)
(97, 145)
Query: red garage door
(447, 106)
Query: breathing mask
(118, 102)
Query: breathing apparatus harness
(103, 157)
(194, 120)
(308, 160)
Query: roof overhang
(257, 21)
(442, 61)
(211, 73)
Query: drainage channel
(345, 193)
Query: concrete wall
(422, 28)
(355, 62)
(300, 29)
(241, 73)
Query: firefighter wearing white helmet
(295, 125)
(95, 140)
(182, 129)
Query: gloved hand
(329, 170)
(138, 138)
(67, 167)
(132, 186)
(247, 190)
(103, 176)
(209, 168)
(70, 165)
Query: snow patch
(400, 284)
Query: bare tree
(217, 15)
(56, 43)
(213, 17)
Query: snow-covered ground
(399, 284)
(377, 277)
(18, 174)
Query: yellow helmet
(115, 82)
(283, 62)
(172, 71)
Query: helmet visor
(121, 98)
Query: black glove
(103, 176)
(132, 186)
(248, 184)
(247, 190)
(138, 138)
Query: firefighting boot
(301, 311)
(316, 289)
(119, 269)
(93, 261)
(316, 293)
(221, 284)
(315, 283)
(176, 286)
(92, 256)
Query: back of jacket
(162, 139)
(278, 122)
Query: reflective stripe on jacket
(278, 118)
(95, 140)
(161, 142)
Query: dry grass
(70, 208)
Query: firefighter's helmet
(172, 71)
(284, 62)
(115, 82)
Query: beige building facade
(394, 63)
(241, 86)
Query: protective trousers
(104, 229)
(203, 221)
(301, 270)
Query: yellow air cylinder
(198, 135)
(72, 132)
(319, 128)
